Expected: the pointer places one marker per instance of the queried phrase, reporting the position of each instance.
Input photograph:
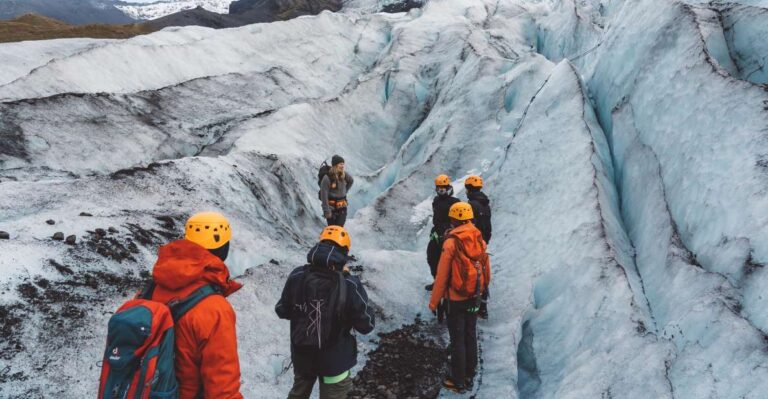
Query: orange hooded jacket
(207, 364)
(474, 247)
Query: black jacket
(481, 207)
(440, 207)
(342, 356)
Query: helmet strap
(221, 252)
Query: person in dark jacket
(440, 222)
(333, 192)
(481, 207)
(331, 361)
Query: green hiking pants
(302, 387)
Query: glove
(434, 237)
(328, 215)
(441, 311)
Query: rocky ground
(408, 363)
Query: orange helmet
(461, 211)
(338, 235)
(442, 180)
(210, 230)
(474, 181)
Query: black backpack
(319, 309)
(322, 172)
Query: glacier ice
(623, 144)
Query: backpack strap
(342, 300)
(180, 307)
(147, 291)
(299, 288)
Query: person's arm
(284, 305)
(325, 186)
(489, 271)
(350, 181)
(363, 320)
(443, 271)
(219, 362)
(490, 225)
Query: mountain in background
(264, 11)
(77, 12)
(162, 8)
(198, 16)
(244, 12)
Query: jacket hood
(326, 256)
(183, 266)
(478, 196)
(471, 240)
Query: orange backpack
(468, 276)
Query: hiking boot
(469, 383)
(428, 287)
(452, 386)
(352, 258)
(483, 313)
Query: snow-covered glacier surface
(624, 145)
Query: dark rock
(112, 230)
(50, 222)
(60, 268)
(406, 364)
(274, 262)
(101, 232)
(58, 236)
(71, 240)
(4, 235)
(86, 214)
(403, 6)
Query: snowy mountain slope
(20, 60)
(169, 128)
(628, 233)
(158, 9)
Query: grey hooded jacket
(334, 193)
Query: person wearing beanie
(333, 192)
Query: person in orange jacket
(463, 275)
(207, 364)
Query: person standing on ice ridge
(207, 364)
(334, 185)
(463, 274)
(324, 303)
(481, 208)
(440, 222)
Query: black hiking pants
(462, 327)
(434, 248)
(338, 217)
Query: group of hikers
(177, 339)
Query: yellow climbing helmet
(442, 180)
(337, 234)
(210, 230)
(461, 211)
(474, 181)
